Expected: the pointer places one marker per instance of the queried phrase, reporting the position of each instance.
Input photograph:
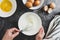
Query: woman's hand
(40, 35)
(11, 34)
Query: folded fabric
(53, 32)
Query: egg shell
(52, 5)
(50, 10)
(45, 8)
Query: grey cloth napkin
(53, 32)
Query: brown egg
(50, 10)
(45, 8)
(28, 4)
(52, 5)
(32, 1)
(36, 3)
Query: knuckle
(7, 30)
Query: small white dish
(8, 14)
(30, 23)
(34, 7)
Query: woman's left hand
(11, 34)
(40, 35)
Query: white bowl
(36, 7)
(30, 21)
(7, 14)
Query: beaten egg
(6, 6)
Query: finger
(14, 29)
(15, 34)
(41, 33)
(41, 30)
(38, 37)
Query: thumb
(41, 33)
(15, 34)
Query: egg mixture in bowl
(7, 8)
(30, 23)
